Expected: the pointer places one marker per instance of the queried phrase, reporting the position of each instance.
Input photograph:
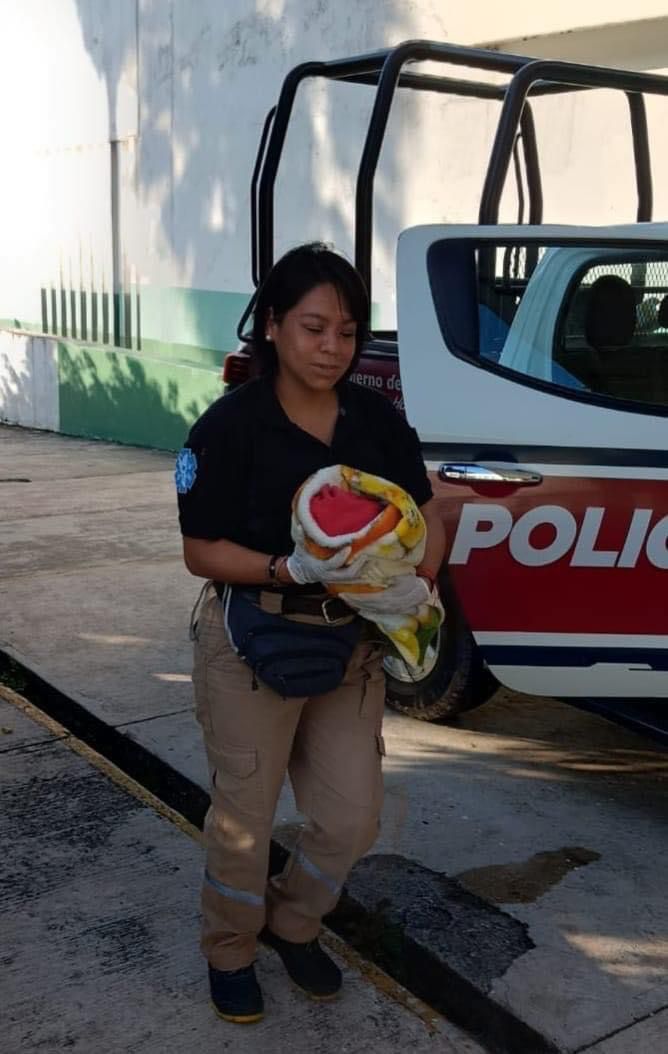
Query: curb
(443, 944)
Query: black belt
(330, 609)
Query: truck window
(590, 322)
(613, 334)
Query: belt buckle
(325, 614)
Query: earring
(267, 338)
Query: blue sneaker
(236, 995)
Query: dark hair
(293, 276)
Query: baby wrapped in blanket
(340, 508)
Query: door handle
(471, 473)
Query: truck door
(534, 365)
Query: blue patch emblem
(185, 471)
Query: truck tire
(454, 677)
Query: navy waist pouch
(294, 659)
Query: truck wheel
(453, 679)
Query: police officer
(236, 476)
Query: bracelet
(275, 566)
(283, 561)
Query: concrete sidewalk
(523, 852)
(99, 945)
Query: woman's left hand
(405, 594)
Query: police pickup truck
(533, 362)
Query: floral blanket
(343, 507)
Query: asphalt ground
(519, 881)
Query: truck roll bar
(385, 70)
(570, 75)
(641, 156)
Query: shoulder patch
(185, 471)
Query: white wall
(66, 91)
(29, 381)
(183, 86)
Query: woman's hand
(404, 595)
(305, 569)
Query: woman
(236, 476)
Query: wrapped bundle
(380, 525)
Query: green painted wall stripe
(129, 398)
(15, 323)
(183, 354)
(169, 316)
(202, 318)
(196, 326)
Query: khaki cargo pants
(331, 746)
